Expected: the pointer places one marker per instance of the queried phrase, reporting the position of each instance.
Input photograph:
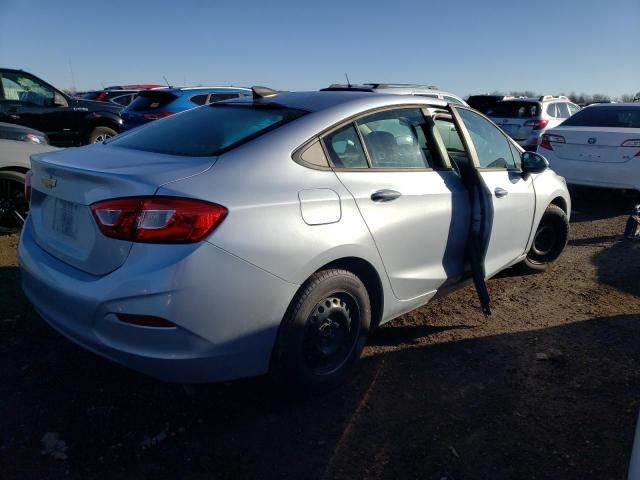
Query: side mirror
(533, 163)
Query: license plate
(64, 218)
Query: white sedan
(599, 146)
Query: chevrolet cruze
(272, 233)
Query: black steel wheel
(549, 240)
(331, 333)
(323, 332)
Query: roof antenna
(166, 81)
(348, 82)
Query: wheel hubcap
(331, 333)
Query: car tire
(100, 134)
(323, 332)
(13, 207)
(549, 241)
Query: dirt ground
(547, 388)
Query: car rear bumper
(619, 175)
(226, 311)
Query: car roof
(396, 88)
(315, 101)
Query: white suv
(526, 119)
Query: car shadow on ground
(489, 407)
(590, 204)
(619, 265)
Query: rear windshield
(151, 100)
(515, 109)
(208, 130)
(617, 117)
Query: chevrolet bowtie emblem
(49, 182)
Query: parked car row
(98, 115)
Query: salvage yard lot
(546, 388)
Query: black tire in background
(13, 206)
(100, 134)
(323, 332)
(549, 240)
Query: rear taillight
(548, 139)
(536, 124)
(157, 219)
(157, 115)
(27, 186)
(101, 96)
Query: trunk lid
(595, 144)
(514, 127)
(66, 183)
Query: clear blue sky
(465, 46)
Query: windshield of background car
(616, 117)
(208, 130)
(24, 89)
(515, 109)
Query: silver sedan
(272, 233)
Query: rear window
(152, 100)
(206, 131)
(616, 117)
(218, 97)
(515, 109)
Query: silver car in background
(428, 91)
(272, 233)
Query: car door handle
(385, 195)
(500, 192)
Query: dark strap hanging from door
(475, 243)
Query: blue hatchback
(158, 103)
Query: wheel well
(369, 276)
(560, 202)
